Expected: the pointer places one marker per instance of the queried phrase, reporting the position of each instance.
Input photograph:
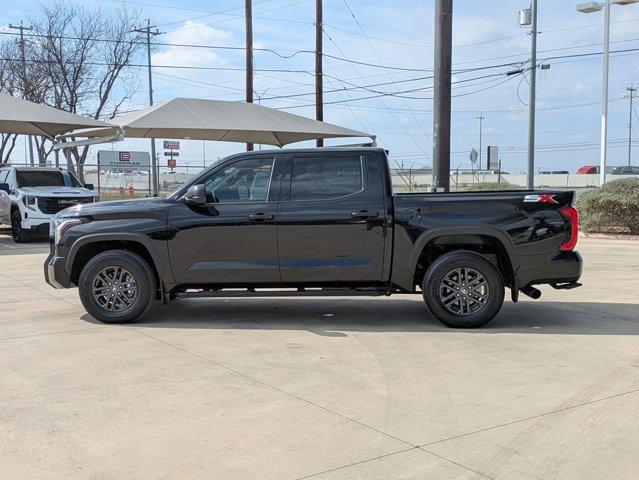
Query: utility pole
(481, 124)
(248, 15)
(531, 104)
(154, 161)
(24, 77)
(441, 102)
(631, 89)
(319, 81)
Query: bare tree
(83, 55)
(8, 81)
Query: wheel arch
(480, 239)
(90, 245)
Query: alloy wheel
(114, 289)
(464, 291)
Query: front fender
(160, 261)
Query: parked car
(31, 196)
(326, 222)
(588, 170)
(627, 170)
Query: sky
(389, 48)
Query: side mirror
(89, 186)
(195, 195)
(4, 187)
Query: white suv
(30, 196)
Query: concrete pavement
(336, 388)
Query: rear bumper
(55, 273)
(566, 267)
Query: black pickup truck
(313, 222)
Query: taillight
(572, 215)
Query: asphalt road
(335, 388)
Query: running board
(300, 292)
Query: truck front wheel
(463, 289)
(116, 286)
(19, 234)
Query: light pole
(590, 7)
(530, 180)
(631, 89)
(480, 117)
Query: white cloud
(581, 88)
(192, 33)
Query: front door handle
(261, 216)
(364, 214)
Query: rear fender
(498, 235)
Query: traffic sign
(171, 154)
(473, 155)
(172, 163)
(171, 145)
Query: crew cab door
(231, 238)
(331, 220)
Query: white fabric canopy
(198, 119)
(28, 118)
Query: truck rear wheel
(463, 289)
(116, 286)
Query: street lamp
(590, 7)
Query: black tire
(104, 267)
(446, 278)
(17, 232)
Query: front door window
(243, 181)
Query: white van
(30, 196)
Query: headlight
(30, 202)
(59, 225)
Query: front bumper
(55, 273)
(566, 267)
(37, 223)
(41, 229)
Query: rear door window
(317, 178)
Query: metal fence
(127, 184)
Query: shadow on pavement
(337, 317)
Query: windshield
(46, 178)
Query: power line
(209, 13)
(472, 44)
(342, 58)
(238, 17)
(389, 75)
(390, 112)
(400, 94)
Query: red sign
(125, 156)
(172, 162)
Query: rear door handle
(261, 216)
(364, 214)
